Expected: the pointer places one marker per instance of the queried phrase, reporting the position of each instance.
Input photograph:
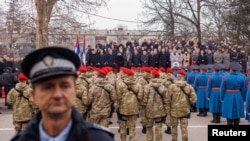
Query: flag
(84, 51)
(77, 47)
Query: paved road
(197, 127)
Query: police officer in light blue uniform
(213, 93)
(233, 89)
(200, 84)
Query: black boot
(204, 112)
(214, 118)
(127, 131)
(168, 130)
(229, 122)
(236, 121)
(217, 118)
(193, 108)
(200, 112)
(144, 130)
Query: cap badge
(48, 61)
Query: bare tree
(60, 11)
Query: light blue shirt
(61, 137)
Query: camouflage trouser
(158, 129)
(98, 119)
(183, 124)
(143, 115)
(20, 125)
(130, 123)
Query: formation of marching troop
(161, 96)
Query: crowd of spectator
(164, 53)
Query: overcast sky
(118, 9)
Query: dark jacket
(80, 130)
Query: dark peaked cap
(235, 66)
(50, 61)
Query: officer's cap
(235, 66)
(203, 67)
(217, 66)
(50, 61)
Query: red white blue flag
(77, 47)
(84, 51)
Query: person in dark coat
(202, 58)
(102, 60)
(111, 58)
(233, 92)
(9, 81)
(119, 58)
(144, 59)
(210, 58)
(93, 58)
(163, 58)
(136, 61)
(151, 59)
(52, 72)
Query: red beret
(180, 71)
(21, 76)
(146, 69)
(90, 68)
(129, 72)
(155, 73)
(170, 70)
(162, 69)
(82, 69)
(102, 71)
(123, 69)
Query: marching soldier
(23, 107)
(143, 80)
(179, 98)
(129, 92)
(81, 100)
(101, 95)
(155, 97)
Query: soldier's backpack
(129, 104)
(155, 106)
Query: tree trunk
(40, 8)
(198, 21)
(44, 9)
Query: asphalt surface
(197, 128)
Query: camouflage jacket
(129, 93)
(155, 97)
(101, 95)
(23, 107)
(81, 101)
(178, 102)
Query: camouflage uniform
(101, 95)
(143, 80)
(155, 98)
(81, 100)
(178, 107)
(170, 79)
(23, 107)
(128, 93)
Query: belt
(201, 86)
(215, 88)
(232, 90)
